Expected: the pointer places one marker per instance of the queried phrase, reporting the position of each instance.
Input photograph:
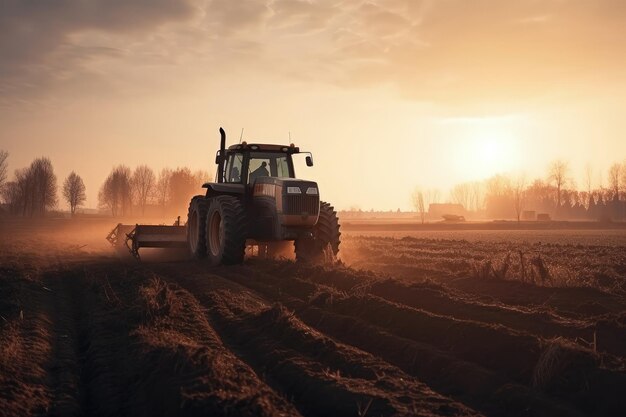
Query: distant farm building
(528, 215)
(543, 217)
(438, 210)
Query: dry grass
(557, 358)
(566, 264)
(159, 299)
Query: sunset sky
(386, 94)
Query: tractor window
(282, 167)
(268, 164)
(233, 168)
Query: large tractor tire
(323, 246)
(226, 231)
(196, 226)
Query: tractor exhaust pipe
(220, 166)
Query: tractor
(256, 200)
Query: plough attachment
(147, 236)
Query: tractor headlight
(293, 190)
(312, 191)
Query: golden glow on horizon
(478, 148)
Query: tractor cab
(279, 205)
(244, 163)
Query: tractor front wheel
(323, 246)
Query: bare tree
(162, 188)
(115, 193)
(74, 191)
(23, 191)
(614, 179)
(557, 174)
(588, 178)
(462, 194)
(498, 186)
(477, 196)
(34, 189)
(623, 180)
(4, 168)
(43, 190)
(143, 182)
(499, 198)
(586, 195)
(13, 197)
(202, 176)
(519, 193)
(183, 186)
(431, 196)
(417, 198)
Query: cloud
(444, 50)
(381, 22)
(302, 16)
(228, 16)
(456, 50)
(34, 34)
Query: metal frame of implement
(147, 236)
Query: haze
(386, 94)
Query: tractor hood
(286, 186)
(297, 201)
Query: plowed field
(86, 332)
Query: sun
(489, 151)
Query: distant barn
(438, 210)
(543, 217)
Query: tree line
(557, 194)
(33, 190)
(127, 191)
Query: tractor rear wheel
(226, 231)
(196, 226)
(324, 244)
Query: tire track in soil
(577, 366)
(100, 339)
(175, 364)
(67, 364)
(544, 321)
(53, 312)
(574, 302)
(91, 348)
(484, 390)
(25, 331)
(443, 301)
(322, 376)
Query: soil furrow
(177, 364)
(458, 336)
(26, 333)
(440, 300)
(67, 361)
(484, 390)
(463, 338)
(322, 377)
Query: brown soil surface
(85, 331)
